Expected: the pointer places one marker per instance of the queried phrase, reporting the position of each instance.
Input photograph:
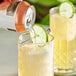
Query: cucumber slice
(41, 35)
(66, 9)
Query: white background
(8, 53)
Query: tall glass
(64, 31)
(34, 59)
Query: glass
(64, 32)
(34, 59)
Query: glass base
(65, 72)
(69, 74)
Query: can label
(7, 1)
(7, 17)
(12, 8)
(4, 5)
(16, 0)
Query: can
(18, 16)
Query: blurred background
(43, 7)
(9, 40)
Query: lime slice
(41, 35)
(66, 9)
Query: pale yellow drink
(35, 59)
(64, 31)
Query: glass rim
(53, 10)
(31, 43)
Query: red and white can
(5, 3)
(17, 16)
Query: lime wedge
(41, 35)
(66, 9)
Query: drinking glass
(34, 59)
(64, 32)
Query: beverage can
(17, 16)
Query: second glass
(64, 31)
